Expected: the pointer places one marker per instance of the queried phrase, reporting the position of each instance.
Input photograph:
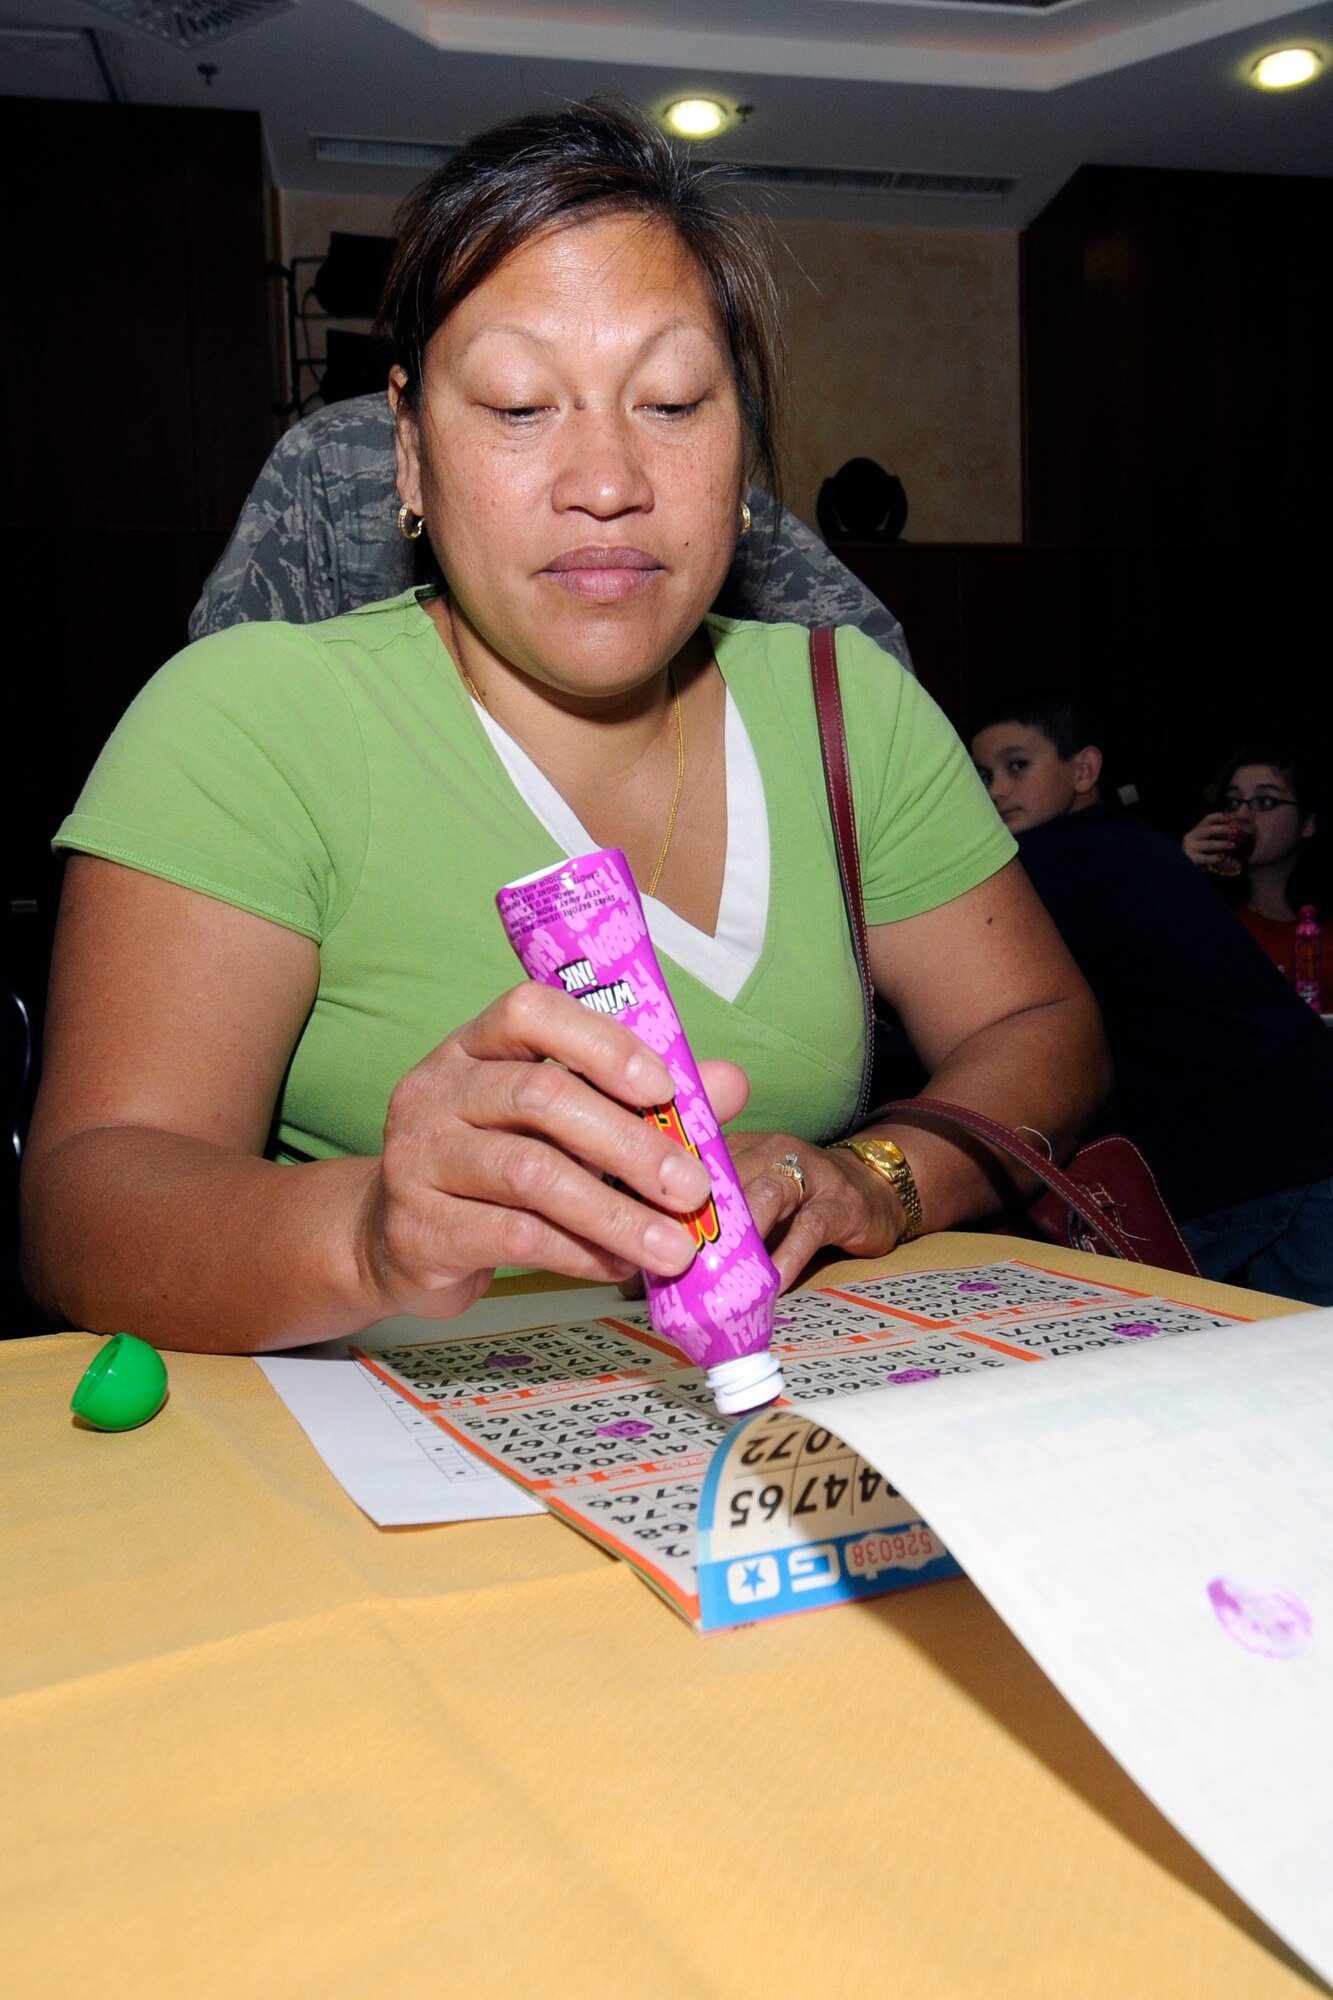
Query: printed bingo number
(791, 1482)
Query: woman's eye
(674, 409)
(1017, 764)
(516, 413)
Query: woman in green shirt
(291, 1086)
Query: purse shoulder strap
(935, 1111)
(838, 779)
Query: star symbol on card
(749, 1582)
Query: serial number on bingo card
(904, 1548)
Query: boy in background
(1224, 1078)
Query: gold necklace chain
(651, 890)
(680, 783)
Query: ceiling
(1021, 90)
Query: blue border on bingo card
(772, 1583)
(775, 1582)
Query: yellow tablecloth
(251, 1745)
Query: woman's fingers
(842, 1205)
(532, 1022)
(486, 1077)
(774, 1197)
(520, 1140)
(436, 1237)
(458, 1195)
(534, 1186)
(728, 1089)
(557, 1124)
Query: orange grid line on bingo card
(1245, 1319)
(604, 1537)
(516, 1395)
(938, 1326)
(634, 1557)
(684, 1465)
(640, 1333)
(399, 1388)
(550, 1395)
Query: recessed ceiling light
(1283, 69)
(696, 117)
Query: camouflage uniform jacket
(318, 535)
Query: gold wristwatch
(888, 1160)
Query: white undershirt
(724, 961)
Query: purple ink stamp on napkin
(1274, 1623)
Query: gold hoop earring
(405, 515)
(745, 517)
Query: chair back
(15, 1070)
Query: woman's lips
(605, 575)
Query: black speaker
(861, 503)
(349, 282)
(356, 364)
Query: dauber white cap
(746, 1383)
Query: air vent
(191, 26)
(876, 180)
(421, 156)
(378, 152)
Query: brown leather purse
(1106, 1198)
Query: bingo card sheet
(736, 1522)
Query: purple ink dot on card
(1138, 1329)
(914, 1375)
(509, 1361)
(978, 1285)
(628, 1427)
(1274, 1623)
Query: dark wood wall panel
(1185, 653)
(96, 322)
(232, 387)
(136, 408)
(1176, 340)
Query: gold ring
(791, 1167)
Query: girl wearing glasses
(1263, 833)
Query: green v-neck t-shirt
(336, 779)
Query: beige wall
(303, 224)
(305, 220)
(904, 348)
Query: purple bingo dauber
(580, 927)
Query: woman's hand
(1213, 837)
(845, 1203)
(494, 1155)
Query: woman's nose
(603, 472)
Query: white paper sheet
(1155, 1524)
(397, 1465)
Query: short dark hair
(1068, 722)
(600, 157)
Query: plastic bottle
(580, 927)
(1309, 942)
